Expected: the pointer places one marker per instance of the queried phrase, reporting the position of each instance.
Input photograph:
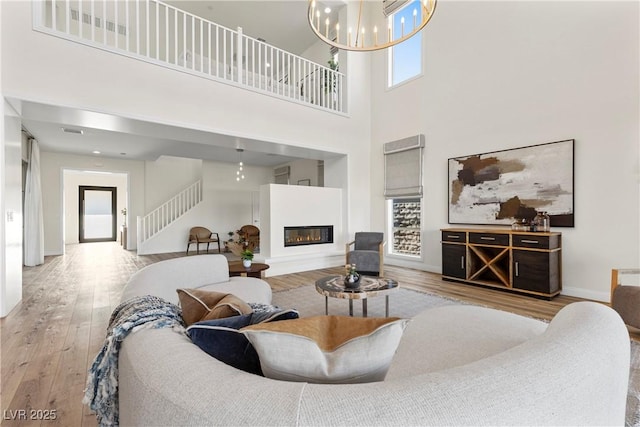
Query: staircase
(163, 216)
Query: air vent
(71, 130)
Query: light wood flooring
(49, 341)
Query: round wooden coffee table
(333, 286)
(256, 270)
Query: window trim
(390, 84)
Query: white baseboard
(586, 294)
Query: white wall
(10, 209)
(167, 176)
(501, 75)
(51, 173)
(73, 179)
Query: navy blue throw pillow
(220, 338)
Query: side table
(256, 270)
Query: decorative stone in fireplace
(308, 235)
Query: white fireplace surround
(290, 206)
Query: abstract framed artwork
(496, 188)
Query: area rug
(633, 398)
(408, 303)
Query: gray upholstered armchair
(367, 253)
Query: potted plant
(235, 246)
(351, 277)
(329, 82)
(247, 257)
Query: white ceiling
(281, 23)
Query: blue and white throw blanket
(146, 311)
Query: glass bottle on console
(541, 222)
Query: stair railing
(168, 212)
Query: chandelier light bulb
(422, 14)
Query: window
(403, 190)
(405, 59)
(405, 216)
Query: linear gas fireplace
(308, 235)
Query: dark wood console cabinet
(524, 262)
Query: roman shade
(403, 167)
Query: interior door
(97, 214)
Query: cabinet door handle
(517, 272)
(462, 262)
(453, 237)
(529, 241)
(487, 238)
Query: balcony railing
(155, 32)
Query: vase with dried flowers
(351, 277)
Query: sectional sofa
(455, 365)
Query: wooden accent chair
(367, 253)
(625, 299)
(200, 235)
(251, 236)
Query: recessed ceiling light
(95, 152)
(327, 10)
(71, 130)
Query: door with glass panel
(97, 214)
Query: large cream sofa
(456, 365)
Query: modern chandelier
(359, 37)
(240, 171)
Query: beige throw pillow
(327, 349)
(199, 305)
